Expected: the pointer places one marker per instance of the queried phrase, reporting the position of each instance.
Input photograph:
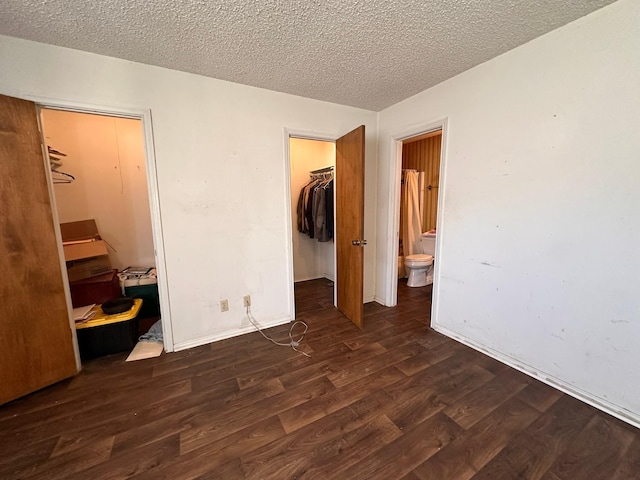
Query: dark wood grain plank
(356, 370)
(232, 470)
(71, 463)
(475, 405)
(406, 452)
(209, 427)
(130, 463)
(410, 476)
(22, 459)
(629, 466)
(539, 395)
(341, 448)
(211, 456)
(464, 456)
(595, 452)
(531, 453)
(307, 412)
(318, 441)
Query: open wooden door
(349, 228)
(36, 341)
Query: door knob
(359, 243)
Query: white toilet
(420, 265)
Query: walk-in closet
(312, 164)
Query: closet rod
(323, 170)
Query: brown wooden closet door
(349, 226)
(36, 343)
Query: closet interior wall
(106, 157)
(311, 259)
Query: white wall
(539, 239)
(106, 157)
(219, 149)
(311, 259)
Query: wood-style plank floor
(392, 401)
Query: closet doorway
(312, 167)
(37, 306)
(348, 224)
(99, 182)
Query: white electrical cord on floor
(293, 343)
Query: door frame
(306, 135)
(144, 115)
(393, 219)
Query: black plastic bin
(107, 334)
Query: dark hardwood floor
(392, 401)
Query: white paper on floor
(144, 350)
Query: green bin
(149, 296)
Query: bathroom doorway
(420, 163)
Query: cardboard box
(85, 252)
(88, 267)
(78, 251)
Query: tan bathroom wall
(423, 155)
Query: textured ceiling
(365, 53)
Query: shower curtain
(410, 213)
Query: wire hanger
(55, 162)
(62, 178)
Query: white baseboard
(379, 300)
(606, 406)
(223, 336)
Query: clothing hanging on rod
(315, 206)
(321, 211)
(302, 207)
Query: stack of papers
(83, 314)
(137, 270)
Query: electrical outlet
(247, 300)
(224, 305)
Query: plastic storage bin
(141, 282)
(107, 334)
(149, 295)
